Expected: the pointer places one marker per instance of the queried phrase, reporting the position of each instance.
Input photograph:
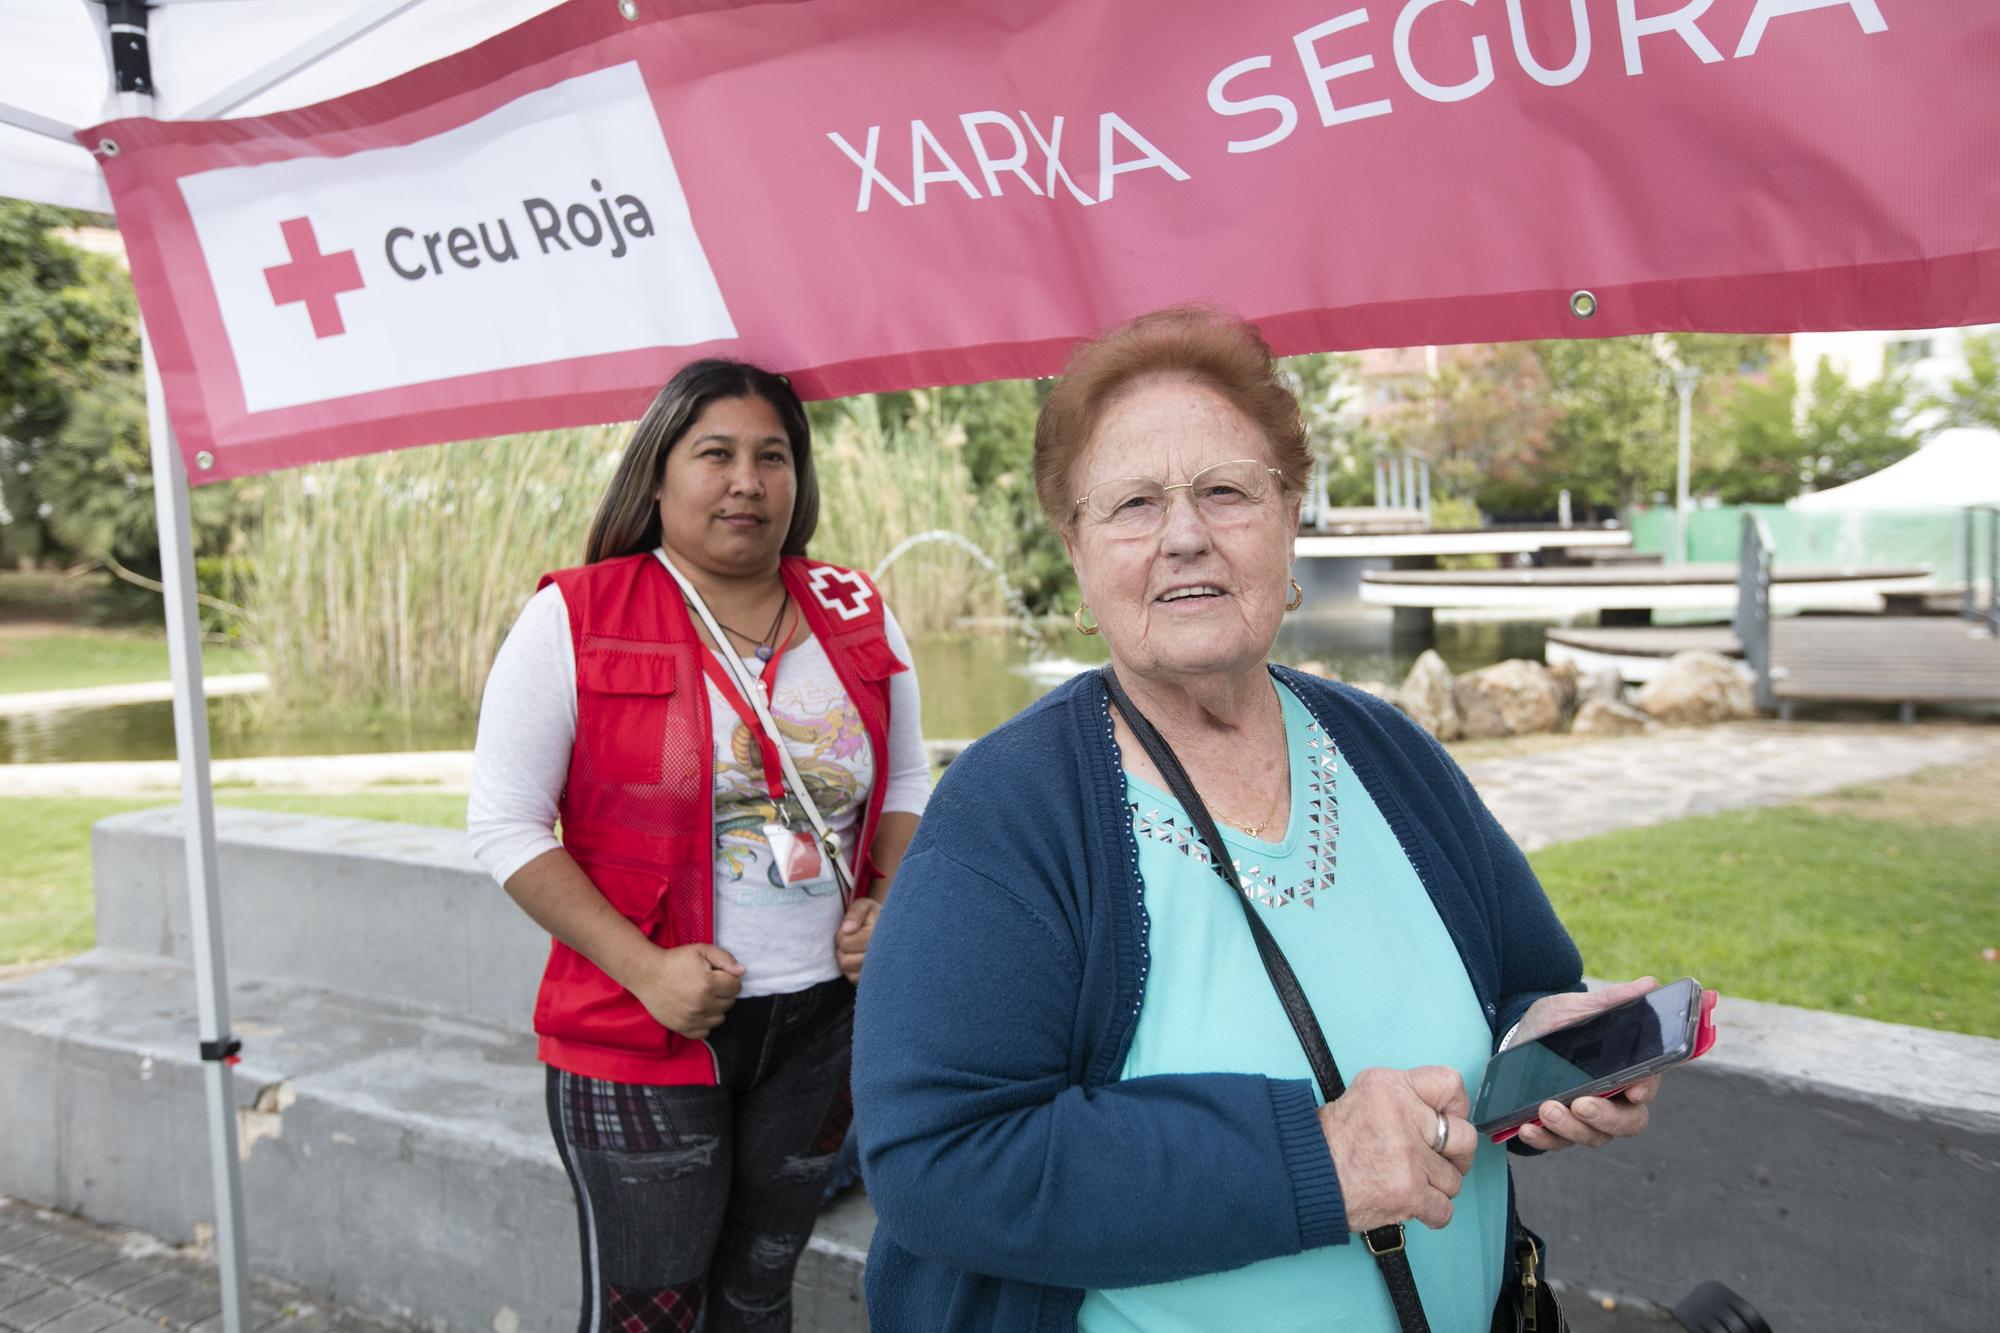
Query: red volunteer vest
(638, 808)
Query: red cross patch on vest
(841, 591)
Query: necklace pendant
(763, 652)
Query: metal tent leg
(170, 497)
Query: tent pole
(35, 123)
(170, 500)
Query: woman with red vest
(709, 896)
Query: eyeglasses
(1223, 493)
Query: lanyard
(767, 748)
(828, 839)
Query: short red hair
(1195, 343)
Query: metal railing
(1753, 606)
(1403, 481)
(1986, 612)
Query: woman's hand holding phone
(1590, 1121)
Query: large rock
(1568, 680)
(1427, 696)
(1608, 717)
(1312, 666)
(1511, 698)
(1604, 683)
(1386, 693)
(1695, 689)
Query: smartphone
(1601, 1055)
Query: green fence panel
(1806, 537)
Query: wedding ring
(1443, 1134)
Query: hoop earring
(1076, 618)
(1298, 597)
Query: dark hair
(628, 518)
(1198, 343)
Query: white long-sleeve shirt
(783, 935)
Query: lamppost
(1685, 378)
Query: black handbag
(1532, 1308)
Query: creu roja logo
(417, 255)
(316, 280)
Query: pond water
(971, 683)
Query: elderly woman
(1083, 1103)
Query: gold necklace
(1271, 808)
(1253, 830)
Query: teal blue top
(1388, 987)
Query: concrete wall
(391, 911)
(1839, 1173)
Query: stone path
(62, 1275)
(1581, 790)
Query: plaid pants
(694, 1203)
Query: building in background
(1932, 358)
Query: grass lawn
(68, 659)
(45, 886)
(1877, 901)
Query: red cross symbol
(851, 603)
(314, 278)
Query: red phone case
(1704, 1042)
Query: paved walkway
(1581, 790)
(136, 692)
(62, 1275)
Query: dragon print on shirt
(829, 745)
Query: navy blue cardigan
(1009, 1166)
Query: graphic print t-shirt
(788, 928)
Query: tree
(1773, 446)
(1851, 430)
(1615, 442)
(66, 318)
(1762, 459)
(1322, 381)
(96, 477)
(1973, 399)
(1485, 424)
(992, 425)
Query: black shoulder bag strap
(1385, 1243)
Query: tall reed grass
(881, 482)
(386, 583)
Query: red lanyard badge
(767, 750)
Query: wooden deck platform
(1853, 659)
(1349, 541)
(1884, 659)
(1577, 590)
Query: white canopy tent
(69, 64)
(209, 58)
(1960, 467)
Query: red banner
(876, 194)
